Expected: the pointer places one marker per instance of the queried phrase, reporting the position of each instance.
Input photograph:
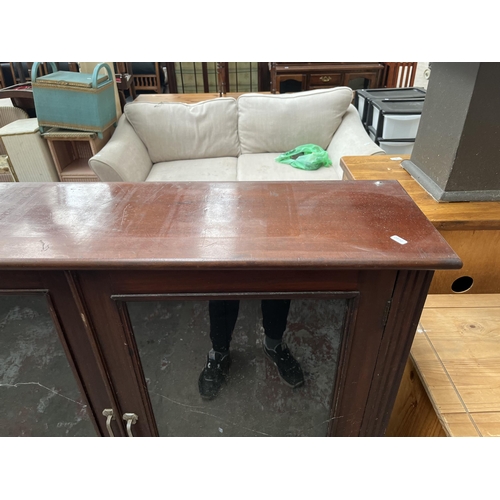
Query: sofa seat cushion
(207, 169)
(264, 167)
(280, 122)
(177, 131)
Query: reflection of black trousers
(224, 313)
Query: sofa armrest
(351, 139)
(124, 158)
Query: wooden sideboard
(296, 77)
(471, 228)
(89, 249)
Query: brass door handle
(325, 78)
(130, 418)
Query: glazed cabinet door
(362, 80)
(153, 330)
(52, 382)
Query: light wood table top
(457, 215)
(456, 354)
(187, 98)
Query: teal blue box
(75, 101)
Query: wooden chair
(5, 81)
(22, 70)
(125, 81)
(148, 76)
(63, 66)
(399, 74)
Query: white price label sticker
(399, 240)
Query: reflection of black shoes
(288, 367)
(214, 374)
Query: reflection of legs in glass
(223, 316)
(274, 318)
(214, 374)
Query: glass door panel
(359, 81)
(173, 339)
(39, 395)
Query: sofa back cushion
(270, 123)
(177, 131)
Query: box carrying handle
(34, 70)
(96, 73)
(403, 99)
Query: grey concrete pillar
(456, 156)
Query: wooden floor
(456, 354)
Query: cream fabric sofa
(227, 139)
